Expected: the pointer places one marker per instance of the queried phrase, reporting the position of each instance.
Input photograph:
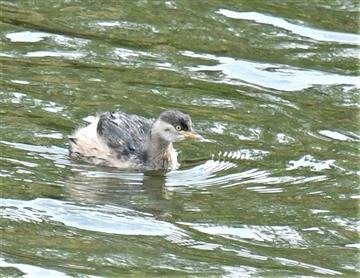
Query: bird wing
(124, 133)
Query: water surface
(274, 87)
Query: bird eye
(178, 128)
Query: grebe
(125, 141)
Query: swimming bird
(125, 141)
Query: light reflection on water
(116, 220)
(106, 219)
(30, 271)
(33, 37)
(272, 192)
(68, 54)
(316, 34)
(274, 76)
(210, 173)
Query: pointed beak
(192, 135)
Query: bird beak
(192, 135)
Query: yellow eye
(178, 128)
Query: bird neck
(160, 153)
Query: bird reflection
(152, 191)
(134, 190)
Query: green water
(274, 87)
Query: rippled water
(274, 87)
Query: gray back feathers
(126, 134)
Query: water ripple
(313, 33)
(101, 218)
(317, 269)
(54, 153)
(32, 37)
(274, 76)
(29, 101)
(340, 136)
(31, 271)
(281, 235)
(63, 54)
(308, 161)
